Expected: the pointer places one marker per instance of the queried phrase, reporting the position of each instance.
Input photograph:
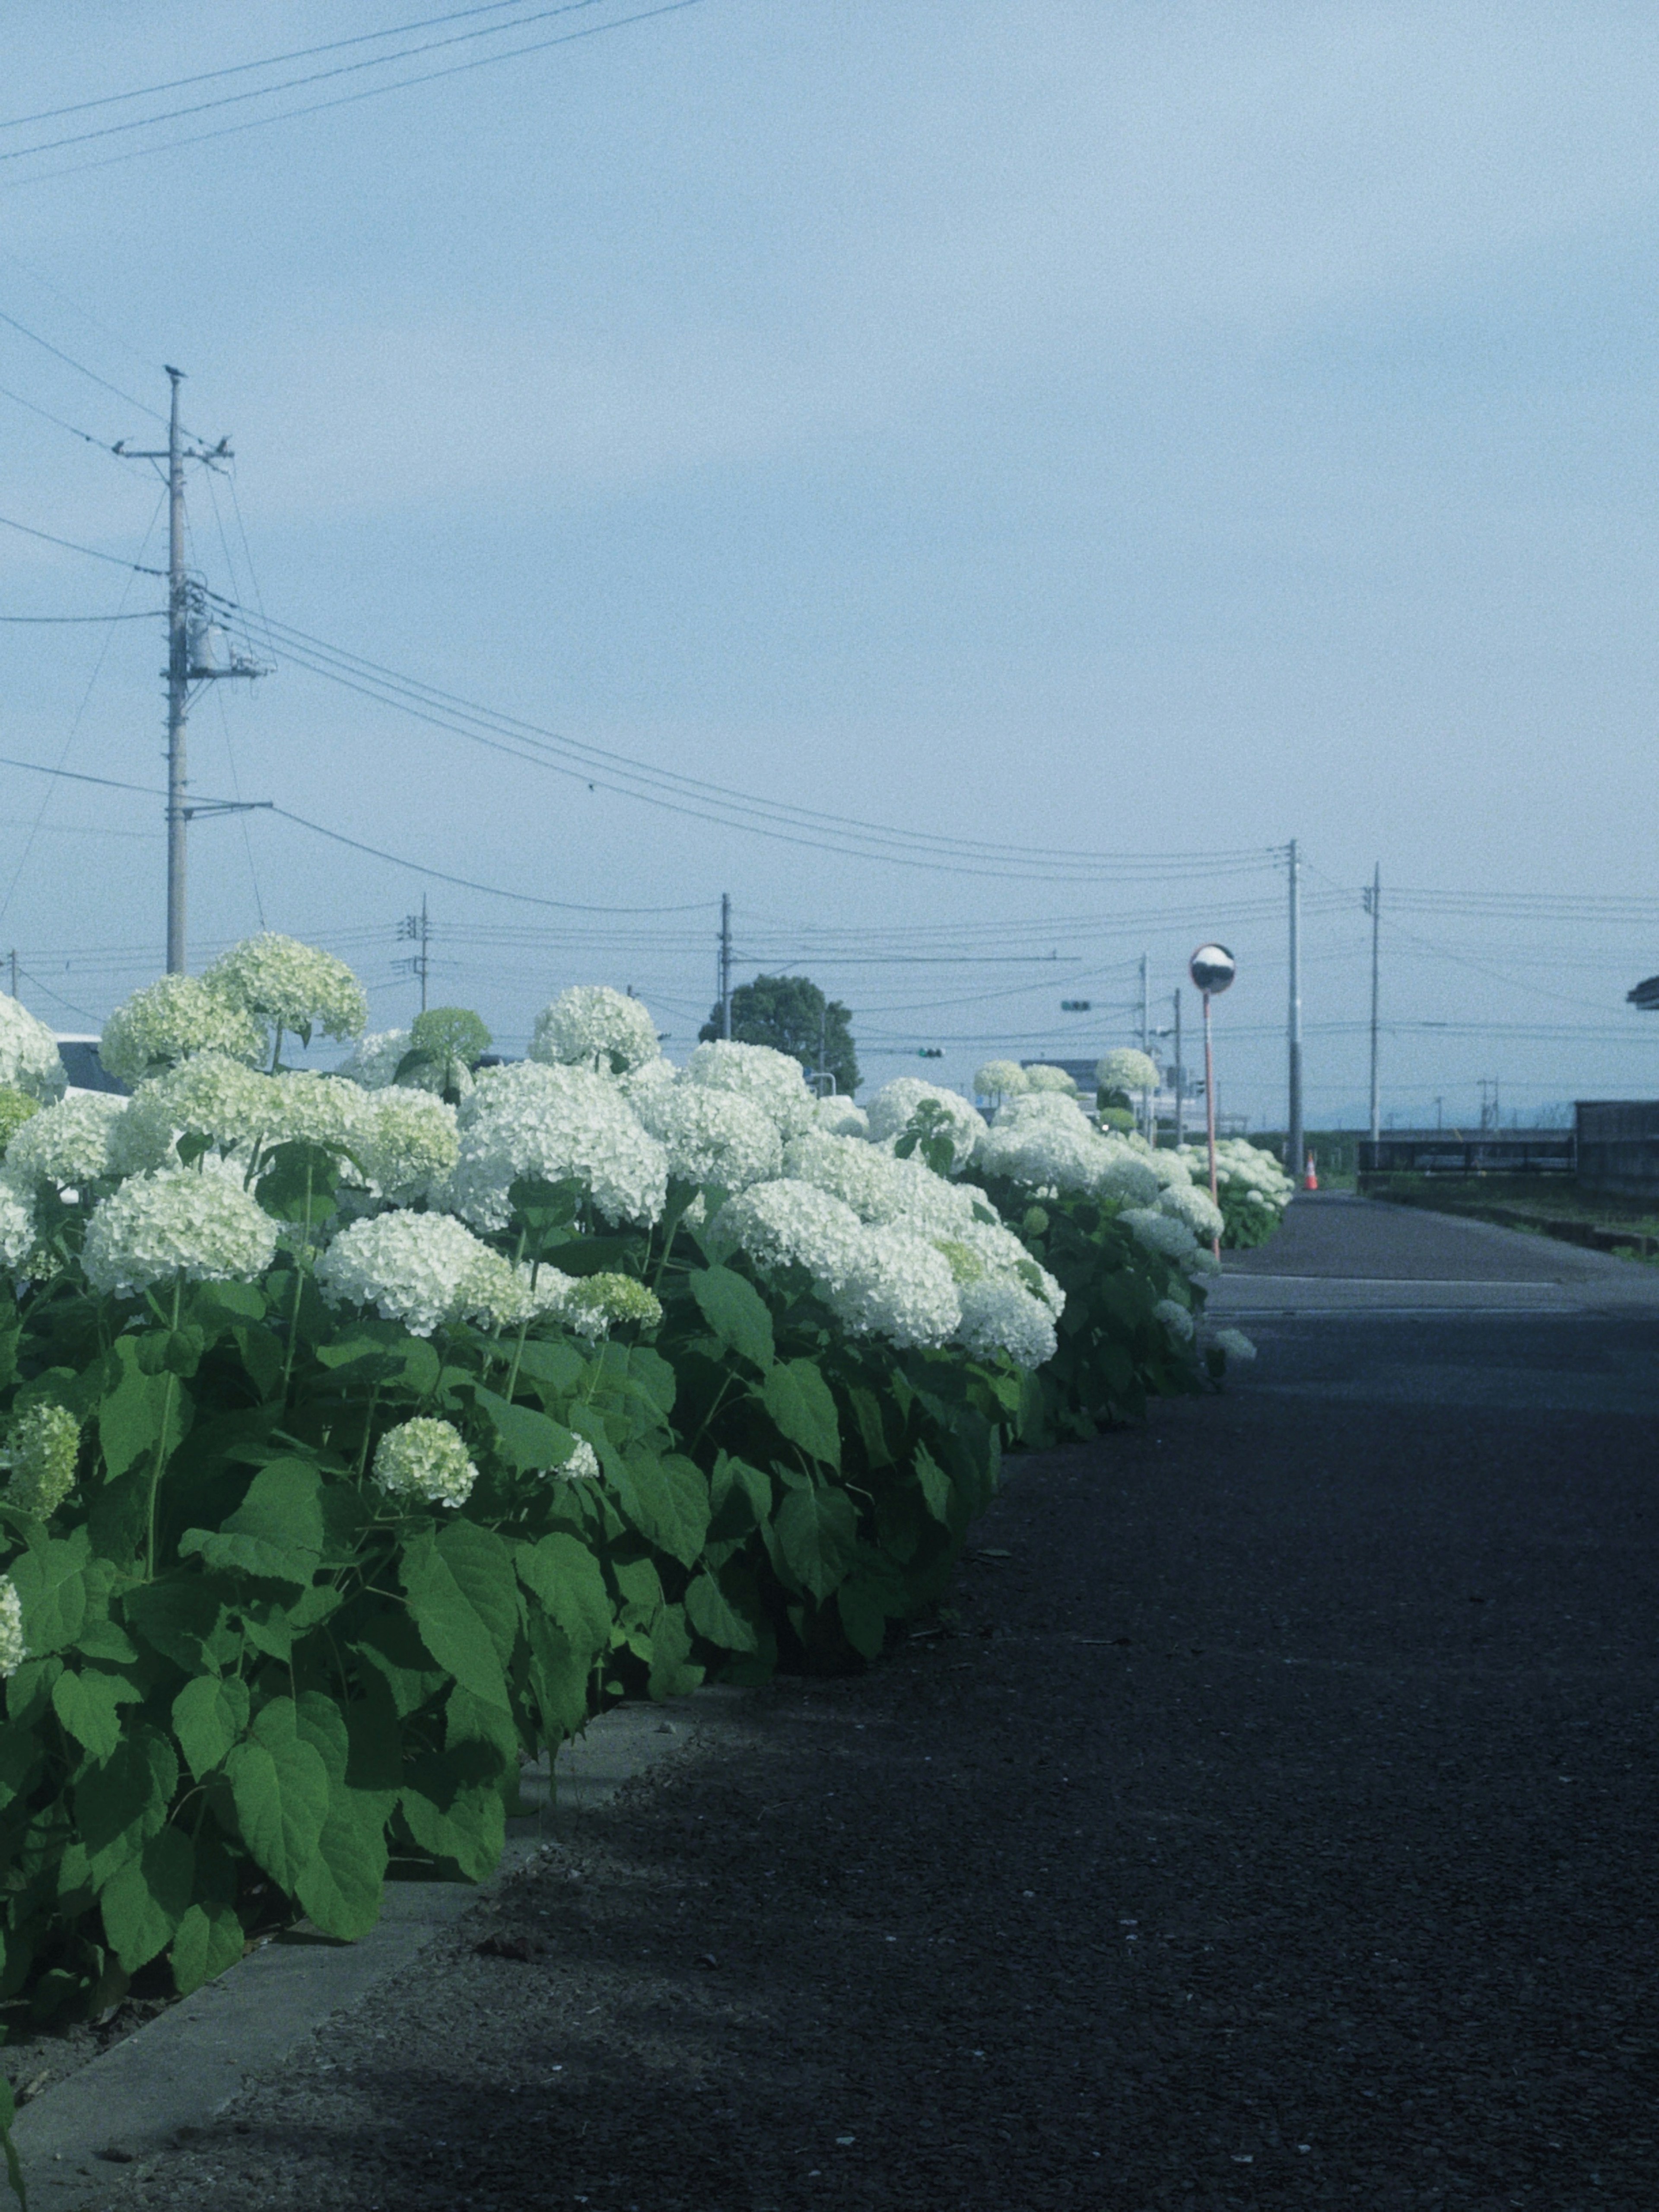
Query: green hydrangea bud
(425, 1459)
(1036, 1223)
(16, 1107)
(45, 1443)
(600, 1302)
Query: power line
(69, 546)
(289, 84)
(47, 415)
(80, 367)
(349, 99)
(242, 68)
(140, 614)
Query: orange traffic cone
(1310, 1176)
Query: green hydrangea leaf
(88, 1706)
(210, 1939)
(50, 1579)
(798, 1398)
(666, 1500)
(340, 1888)
(122, 1800)
(276, 1532)
(934, 1483)
(672, 1675)
(816, 1535)
(143, 1903)
(564, 1577)
(210, 1716)
(737, 1313)
(559, 1673)
(451, 1817)
(711, 1614)
(458, 1636)
(279, 1786)
(528, 1441)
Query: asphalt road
(1274, 1828)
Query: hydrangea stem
(161, 1444)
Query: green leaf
(340, 1888)
(482, 1563)
(816, 1533)
(215, 1305)
(714, 1616)
(672, 1675)
(798, 1398)
(121, 1803)
(263, 1356)
(279, 1786)
(391, 1645)
(143, 1903)
(210, 1939)
(866, 1412)
(556, 1367)
(386, 1353)
(735, 1311)
(50, 1579)
(452, 1817)
(559, 1673)
(458, 1638)
(102, 1639)
(666, 1500)
(935, 1485)
(564, 1578)
(182, 1617)
(88, 1704)
(210, 1716)
(862, 1615)
(299, 1183)
(276, 1532)
(741, 1497)
(529, 1441)
(640, 1587)
(657, 1385)
(130, 1415)
(13, 2168)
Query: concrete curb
(183, 2067)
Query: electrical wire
(139, 614)
(341, 100)
(242, 68)
(69, 546)
(80, 366)
(47, 415)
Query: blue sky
(1143, 430)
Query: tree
(791, 1015)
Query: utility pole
(184, 600)
(1149, 1108)
(1293, 1142)
(14, 971)
(418, 928)
(1180, 1079)
(1374, 907)
(725, 963)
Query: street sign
(1211, 969)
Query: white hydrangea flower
(582, 1466)
(999, 1314)
(1126, 1175)
(291, 986)
(1041, 1076)
(172, 1020)
(711, 1136)
(1236, 1345)
(1160, 1232)
(13, 1649)
(311, 1109)
(18, 1233)
(1004, 1257)
(900, 1287)
(590, 1025)
(789, 1223)
(29, 1059)
(374, 1062)
(425, 1459)
(1195, 1208)
(67, 1145)
(838, 1116)
(650, 1075)
(1044, 1142)
(1171, 1170)
(407, 1144)
(597, 1304)
(175, 1222)
(410, 1267)
(558, 1123)
(208, 1095)
(44, 1445)
(771, 1080)
(1175, 1318)
(501, 1293)
(1126, 1070)
(891, 1108)
(1001, 1078)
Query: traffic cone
(1311, 1174)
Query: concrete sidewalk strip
(183, 2067)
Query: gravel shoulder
(1273, 1827)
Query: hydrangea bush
(360, 1442)
(1252, 1188)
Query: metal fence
(1462, 1151)
(1618, 1146)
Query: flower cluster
(838, 1116)
(498, 1293)
(13, 1650)
(1252, 1188)
(1041, 1076)
(999, 1079)
(582, 1466)
(17, 1226)
(288, 985)
(43, 1446)
(710, 1136)
(29, 1059)
(891, 1108)
(591, 1025)
(67, 1145)
(1193, 1207)
(375, 1058)
(173, 1019)
(596, 1304)
(1177, 1318)
(16, 1107)
(1126, 1071)
(176, 1224)
(411, 1268)
(424, 1459)
(209, 1097)
(1235, 1344)
(407, 1143)
(771, 1080)
(560, 1124)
